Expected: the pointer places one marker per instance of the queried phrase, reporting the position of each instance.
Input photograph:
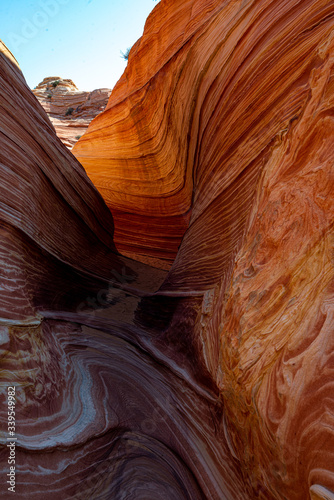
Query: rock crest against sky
(69, 109)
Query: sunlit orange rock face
(215, 380)
(69, 109)
(100, 411)
(224, 116)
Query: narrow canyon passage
(166, 291)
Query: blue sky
(77, 39)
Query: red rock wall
(47, 203)
(99, 410)
(139, 152)
(221, 386)
(277, 332)
(224, 114)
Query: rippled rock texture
(69, 109)
(101, 412)
(219, 385)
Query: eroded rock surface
(69, 109)
(215, 381)
(100, 412)
(224, 116)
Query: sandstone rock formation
(69, 109)
(100, 412)
(220, 385)
(224, 115)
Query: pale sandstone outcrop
(69, 109)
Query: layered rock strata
(219, 384)
(99, 411)
(69, 109)
(224, 116)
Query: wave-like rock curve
(99, 411)
(220, 385)
(224, 117)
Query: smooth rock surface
(220, 384)
(225, 115)
(100, 412)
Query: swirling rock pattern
(100, 411)
(69, 109)
(225, 111)
(220, 384)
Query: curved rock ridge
(69, 109)
(223, 118)
(54, 224)
(100, 412)
(219, 385)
